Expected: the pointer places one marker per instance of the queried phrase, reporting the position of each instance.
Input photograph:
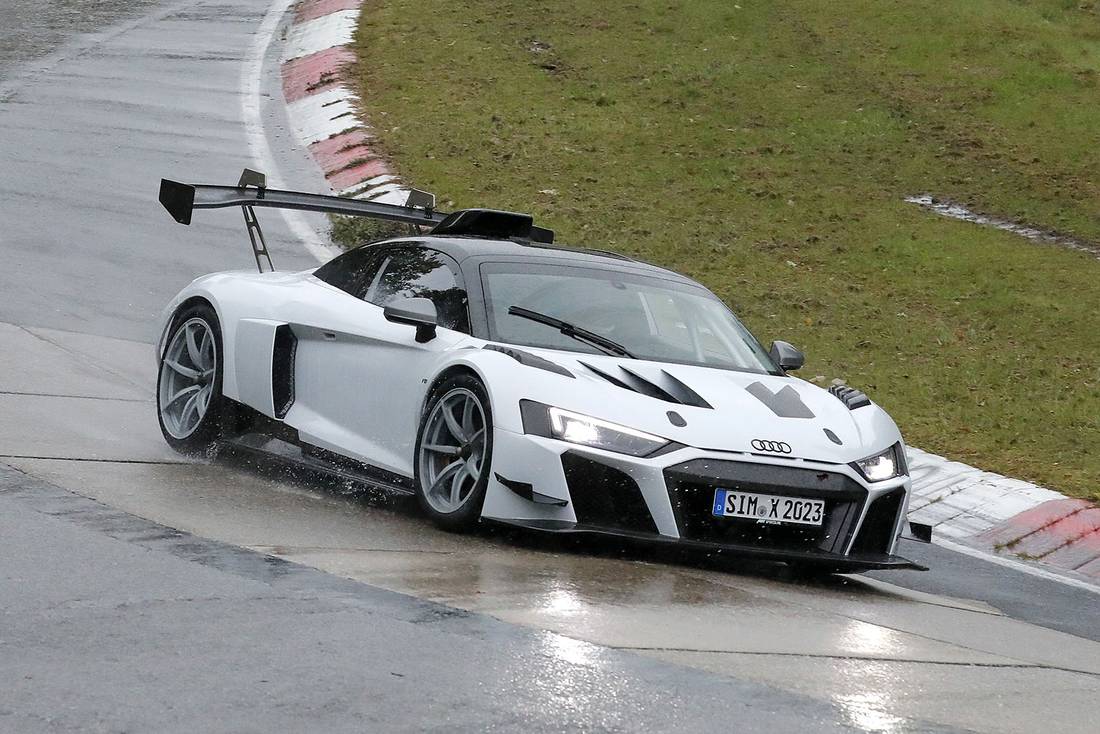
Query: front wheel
(454, 450)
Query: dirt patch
(954, 210)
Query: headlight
(880, 467)
(565, 425)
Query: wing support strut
(251, 223)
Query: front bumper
(846, 563)
(668, 499)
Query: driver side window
(419, 272)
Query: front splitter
(819, 559)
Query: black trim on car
(604, 496)
(824, 561)
(282, 370)
(530, 360)
(527, 491)
(536, 418)
(876, 532)
(691, 486)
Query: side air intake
(668, 388)
(282, 370)
(850, 396)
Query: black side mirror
(418, 312)
(787, 356)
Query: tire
(191, 409)
(444, 459)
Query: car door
(359, 378)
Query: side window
(417, 272)
(351, 272)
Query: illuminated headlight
(585, 430)
(880, 467)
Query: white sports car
(499, 377)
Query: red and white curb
(322, 106)
(1003, 516)
(968, 508)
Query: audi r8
(499, 377)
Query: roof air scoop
(493, 223)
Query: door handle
(328, 336)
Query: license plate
(768, 508)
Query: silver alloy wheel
(452, 450)
(187, 378)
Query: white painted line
(320, 34)
(260, 149)
(1015, 565)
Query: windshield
(652, 318)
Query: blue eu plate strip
(719, 502)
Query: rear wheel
(454, 450)
(190, 405)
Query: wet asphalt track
(144, 592)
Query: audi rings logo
(775, 447)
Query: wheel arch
(174, 312)
(451, 370)
(191, 302)
(191, 298)
(506, 383)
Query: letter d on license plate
(768, 507)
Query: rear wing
(251, 191)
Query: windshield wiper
(575, 332)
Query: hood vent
(850, 396)
(669, 388)
(529, 360)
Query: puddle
(948, 208)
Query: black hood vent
(850, 396)
(529, 360)
(668, 388)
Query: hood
(723, 409)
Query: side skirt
(305, 459)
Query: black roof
(482, 248)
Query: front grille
(603, 496)
(692, 484)
(877, 532)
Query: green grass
(347, 232)
(765, 150)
